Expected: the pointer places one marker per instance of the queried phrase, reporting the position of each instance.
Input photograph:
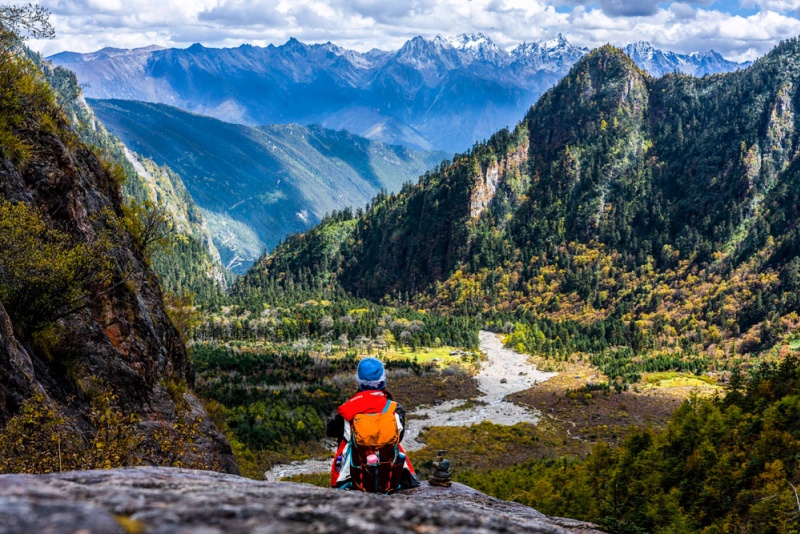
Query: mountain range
(658, 214)
(444, 93)
(257, 185)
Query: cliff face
(17, 377)
(122, 339)
(512, 165)
(162, 500)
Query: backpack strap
(389, 404)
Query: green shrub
(38, 440)
(149, 225)
(27, 104)
(45, 274)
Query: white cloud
(773, 5)
(690, 25)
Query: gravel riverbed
(502, 373)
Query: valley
(594, 310)
(503, 373)
(514, 392)
(255, 186)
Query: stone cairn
(441, 473)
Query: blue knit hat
(371, 374)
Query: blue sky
(733, 6)
(739, 29)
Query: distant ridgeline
(652, 223)
(257, 185)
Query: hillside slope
(92, 369)
(256, 185)
(661, 213)
(190, 262)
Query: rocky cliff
(161, 500)
(511, 166)
(118, 346)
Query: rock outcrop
(163, 500)
(496, 172)
(17, 377)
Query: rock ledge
(164, 500)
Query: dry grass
(487, 446)
(413, 390)
(596, 416)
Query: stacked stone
(441, 474)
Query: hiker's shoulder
(363, 400)
(368, 396)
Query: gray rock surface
(164, 500)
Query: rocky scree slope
(161, 500)
(121, 338)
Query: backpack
(376, 434)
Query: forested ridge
(635, 219)
(255, 185)
(186, 259)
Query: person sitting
(369, 428)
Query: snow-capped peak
(642, 50)
(472, 47)
(465, 41)
(659, 62)
(559, 45)
(559, 42)
(549, 55)
(330, 47)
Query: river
(501, 363)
